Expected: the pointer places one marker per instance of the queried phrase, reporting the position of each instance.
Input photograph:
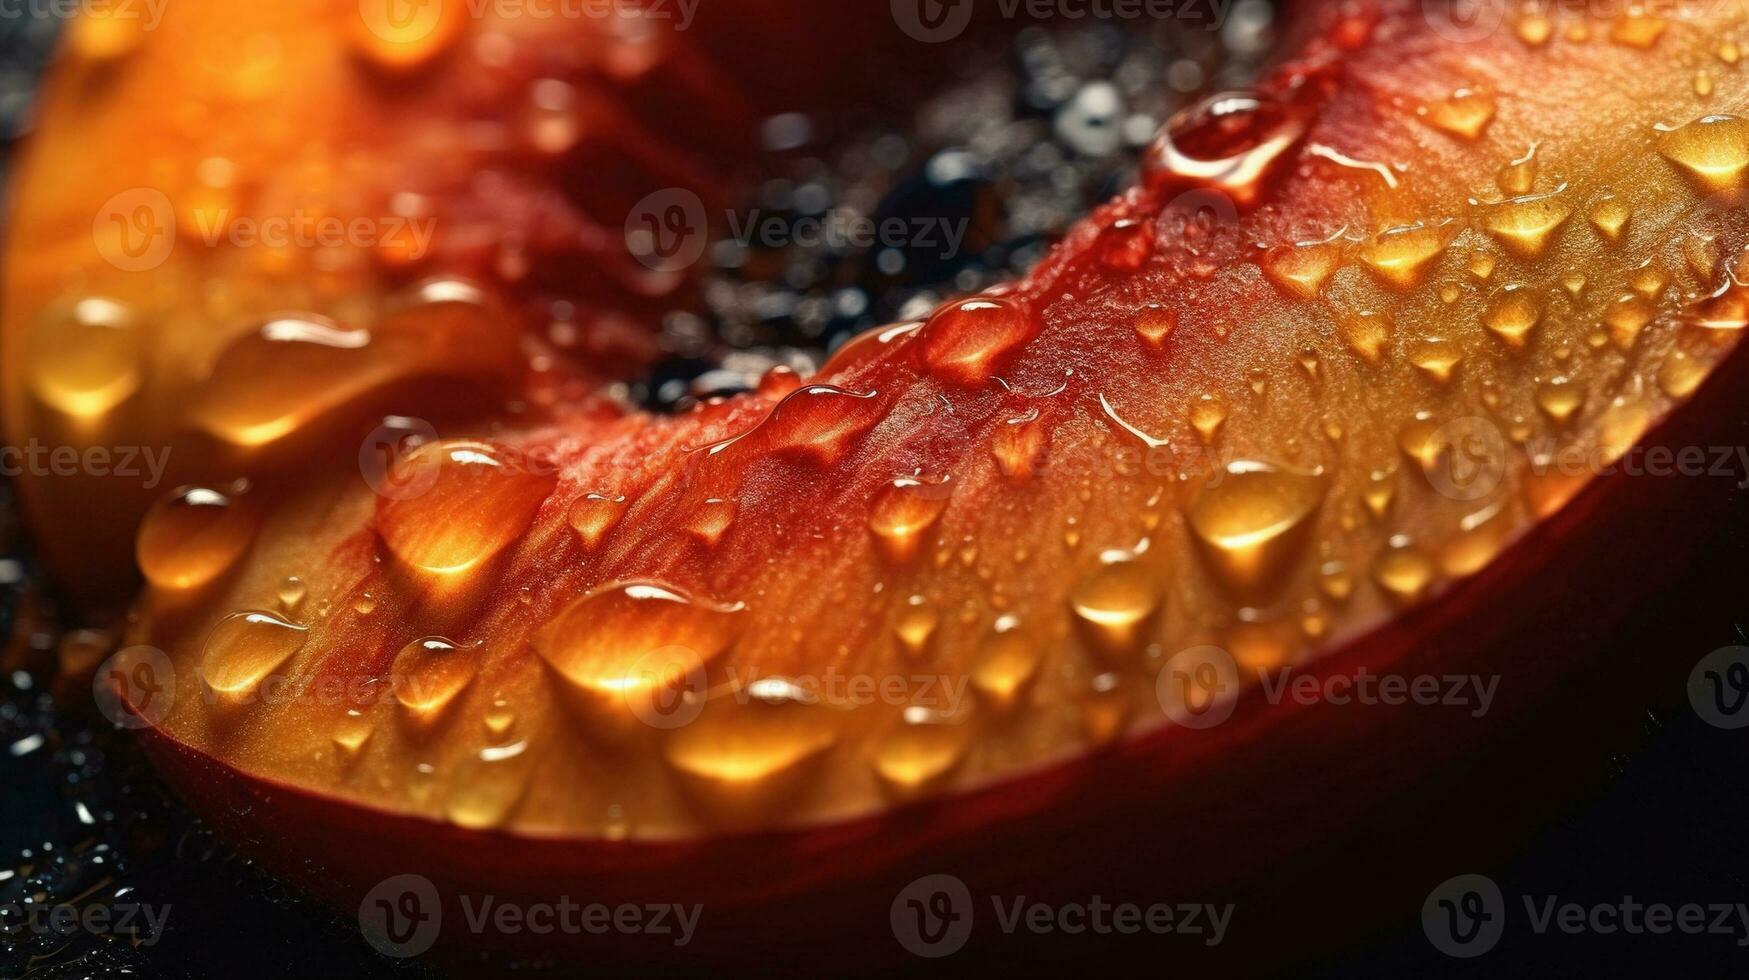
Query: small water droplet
(1464, 114)
(1512, 313)
(904, 511)
(1403, 571)
(1019, 446)
(594, 515)
(1007, 662)
(1399, 256)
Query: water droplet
(1207, 414)
(1436, 357)
(1116, 606)
(964, 341)
(1637, 29)
(739, 757)
(244, 649)
(1105, 709)
(1681, 375)
(272, 381)
(818, 422)
(1230, 142)
(87, 360)
(479, 500)
(868, 347)
(1713, 150)
(711, 520)
(1302, 270)
(1626, 317)
(904, 511)
(1512, 313)
(594, 515)
(192, 536)
(1560, 398)
(405, 41)
(1464, 114)
(1526, 225)
(916, 625)
(922, 751)
(1518, 177)
(1610, 217)
(485, 789)
(291, 594)
(1398, 256)
(1336, 581)
(1403, 572)
(1155, 323)
(1534, 29)
(1620, 427)
(1007, 662)
(351, 733)
(1254, 522)
(1480, 537)
(1367, 334)
(637, 645)
(1380, 492)
(429, 673)
(1019, 446)
(780, 381)
(1126, 245)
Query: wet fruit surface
(1348, 364)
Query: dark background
(1627, 793)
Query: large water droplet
(243, 650)
(638, 648)
(1230, 142)
(1116, 606)
(1254, 522)
(190, 537)
(742, 757)
(479, 499)
(922, 751)
(87, 360)
(429, 673)
(964, 341)
(1713, 150)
